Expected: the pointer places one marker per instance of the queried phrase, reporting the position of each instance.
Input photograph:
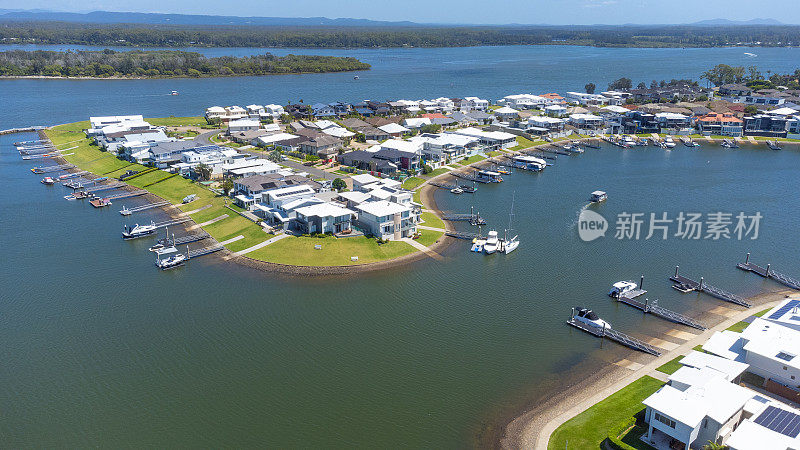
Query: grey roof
(178, 146)
(322, 141)
(354, 123)
(479, 115)
(443, 121)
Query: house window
(784, 356)
(666, 421)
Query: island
(163, 64)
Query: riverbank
(249, 244)
(535, 425)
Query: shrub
(615, 432)
(426, 169)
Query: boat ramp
(684, 284)
(768, 272)
(614, 335)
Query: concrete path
(194, 211)
(233, 239)
(752, 140)
(214, 220)
(431, 228)
(541, 437)
(261, 245)
(423, 249)
(655, 136)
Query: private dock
(654, 309)
(21, 130)
(768, 272)
(617, 336)
(50, 169)
(538, 154)
(149, 206)
(556, 150)
(685, 285)
(462, 234)
(205, 250)
(130, 194)
(103, 187)
(172, 222)
(442, 185)
(590, 143)
(473, 219)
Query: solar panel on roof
(780, 421)
(784, 309)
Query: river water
(100, 348)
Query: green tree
(203, 171)
(426, 169)
(750, 110)
(621, 84)
(430, 128)
(590, 87)
(275, 155)
(711, 445)
(227, 186)
(339, 184)
(724, 74)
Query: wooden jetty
(684, 284)
(35, 141)
(538, 154)
(149, 206)
(442, 185)
(473, 219)
(461, 234)
(617, 336)
(590, 143)
(768, 272)
(30, 151)
(104, 187)
(557, 151)
(169, 223)
(21, 130)
(129, 194)
(654, 309)
(49, 169)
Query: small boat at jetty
(621, 288)
(125, 211)
(48, 181)
(138, 231)
(669, 142)
(456, 190)
(492, 243)
(589, 317)
(729, 143)
(173, 261)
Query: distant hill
(723, 22)
(107, 17)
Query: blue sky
(453, 11)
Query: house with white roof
(445, 104)
(416, 122)
(586, 121)
(768, 425)
(708, 410)
(274, 110)
(674, 122)
(362, 180)
(283, 141)
(523, 101)
(589, 99)
(387, 220)
(394, 129)
(492, 139)
(325, 217)
(248, 124)
(443, 148)
(555, 110)
(278, 197)
(474, 104)
(506, 113)
(249, 167)
(255, 111)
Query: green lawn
(431, 220)
(522, 142)
(428, 237)
(438, 172)
(300, 251)
(177, 121)
(738, 327)
(672, 366)
(416, 198)
(472, 159)
(411, 183)
(589, 429)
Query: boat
(773, 145)
(669, 142)
(509, 245)
(189, 198)
(173, 261)
(139, 231)
(627, 142)
(598, 196)
(621, 288)
(528, 163)
(125, 211)
(729, 143)
(502, 171)
(487, 176)
(48, 181)
(457, 190)
(157, 247)
(468, 189)
(492, 243)
(589, 317)
(100, 202)
(80, 195)
(173, 93)
(356, 77)
(477, 245)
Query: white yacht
(598, 196)
(125, 211)
(173, 261)
(457, 190)
(669, 142)
(621, 288)
(589, 317)
(509, 245)
(492, 243)
(628, 141)
(138, 231)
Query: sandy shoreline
(532, 427)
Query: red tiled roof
(434, 116)
(552, 96)
(631, 107)
(717, 117)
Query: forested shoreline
(143, 35)
(163, 64)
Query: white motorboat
(669, 142)
(621, 288)
(492, 243)
(173, 261)
(138, 231)
(125, 211)
(173, 93)
(189, 198)
(456, 190)
(48, 181)
(589, 317)
(598, 196)
(628, 141)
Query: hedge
(616, 431)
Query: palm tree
(714, 446)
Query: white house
(274, 110)
(474, 104)
(277, 197)
(387, 220)
(362, 180)
(492, 139)
(587, 99)
(416, 122)
(523, 101)
(243, 125)
(586, 121)
(506, 113)
(323, 217)
(255, 111)
(394, 129)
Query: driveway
(205, 138)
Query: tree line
(164, 63)
(139, 35)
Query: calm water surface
(100, 348)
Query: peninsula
(163, 64)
